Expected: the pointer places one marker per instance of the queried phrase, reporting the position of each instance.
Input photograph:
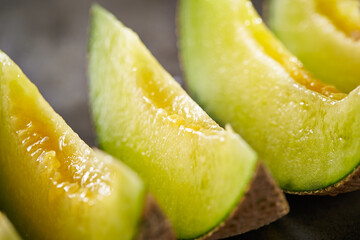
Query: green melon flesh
(196, 170)
(324, 35)
(52, 185)
(242, 75)
(7, 231)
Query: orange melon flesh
(293, 66)
(52, 185)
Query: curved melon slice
(197, 171)
(7, 231)
(305, 131)
(324, 35)
(52, 185)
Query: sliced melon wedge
(197, 171)
(7, 231)
(323, 34)
(52, 185)
(306, 132)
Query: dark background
(48, 39)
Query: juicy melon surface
(52, 185)
(308, 139)
(196, 170)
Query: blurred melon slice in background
(7, 230)
(323, 34)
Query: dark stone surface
(48, 38)
(315, 218)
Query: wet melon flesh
(7, 231)
(323, 34)
(308, 140)
(52, 185)
(196, 170)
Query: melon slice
(52, 185)
(197, 171)
(323, 34)
(7, 231)
(305, 131)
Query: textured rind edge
(154, 225)
(349, 184)
(263, 203)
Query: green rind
(197, 176)
(92, 198)
(307, 140)
(332, 189)
(325, 50)
(7, 231)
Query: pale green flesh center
(308, 140)
(195, 169)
